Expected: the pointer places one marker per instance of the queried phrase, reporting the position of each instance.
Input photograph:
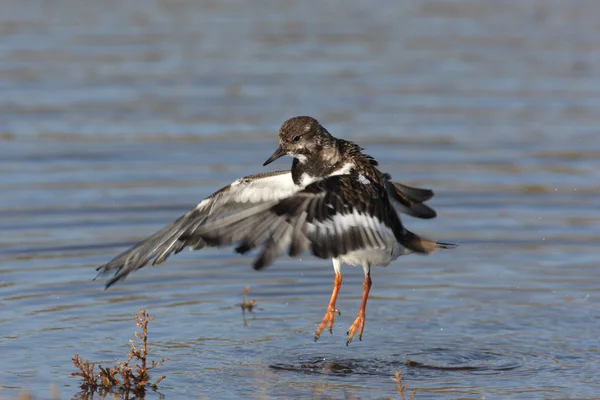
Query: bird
(334, 202)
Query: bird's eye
(296, 138)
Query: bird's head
(301, 138)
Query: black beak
(280, 152)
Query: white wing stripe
(252, 190)
(340, 223)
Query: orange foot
(327, 319)
(359, 322)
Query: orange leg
(360, 319)
(331, 310)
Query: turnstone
(334, 202)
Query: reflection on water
(117, 117)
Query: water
(117, 117)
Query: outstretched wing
(409, 200)
(248, 195)
(332, 217)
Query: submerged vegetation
(128, 378)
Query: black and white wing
(248, 195)
(331, 217)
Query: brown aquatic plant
(401, 387)
(247, 305)
(131, 376)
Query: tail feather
(443, 245)
(423, 245)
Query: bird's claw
(359, 324)
(327, 321)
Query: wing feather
(233, 204)
(409, 200)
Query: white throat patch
(301, 158)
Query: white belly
(374, 257)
